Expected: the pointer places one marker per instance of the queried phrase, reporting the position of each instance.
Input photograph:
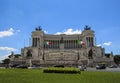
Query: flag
(47, 42)
(80, 42)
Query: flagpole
(29, 42)
(78, 53)
(95, 41)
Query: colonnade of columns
(68, 44)
(36, 42)
(89, 41)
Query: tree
(117, 59)
(6, 61)
(17, 55)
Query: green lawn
(37, 76)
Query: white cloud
(45, 32)
(9, 32)
(107, 43)
(69, 31)
(7, 49)
(6, 33)
(99, 45)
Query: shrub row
(62, 70)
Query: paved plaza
(107, 69)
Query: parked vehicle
(21, 66)
(82, 68)
(101, 66)
(113, 66)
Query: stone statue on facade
(38, 28)
(29, 54)
(87, 27)
(61, 41)
(90, 54)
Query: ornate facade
(67, 50)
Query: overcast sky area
(18, 18)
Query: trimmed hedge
(62, 70)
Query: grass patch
(37, 76)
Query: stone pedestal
(61, 46)
(29, 62)
(90, 62)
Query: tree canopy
(117, 59)
(6, 61)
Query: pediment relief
(61, 53)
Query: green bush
(62, 70)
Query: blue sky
(18, 18)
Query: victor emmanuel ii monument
(67, 50)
